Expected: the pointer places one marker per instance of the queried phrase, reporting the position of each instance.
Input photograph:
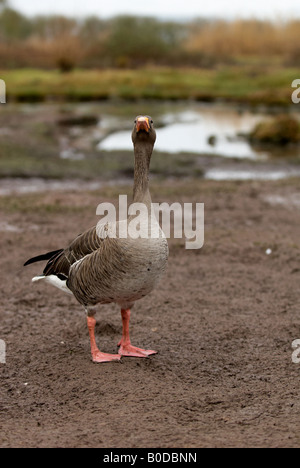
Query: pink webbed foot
(126, 349)
(97, 356)
(133, 351)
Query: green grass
(249, 84)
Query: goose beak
(142, 123)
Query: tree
(91, 29)
(54, 27)
(13, 25)
(136, 40)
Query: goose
(101, 268)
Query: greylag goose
(99, 268)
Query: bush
(281, 130)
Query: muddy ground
(223, 320)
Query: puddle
(6, 227)
(71, 154)
(36, 185)
(20, 186)
(250, 174)
(206, 130)
(292, 201)
(209, 129)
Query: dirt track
(223, 320)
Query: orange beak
(143, 124)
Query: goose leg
(126, 348)
(96, 354)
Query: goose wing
(60, 261)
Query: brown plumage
(100, 269)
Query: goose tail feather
(37, 278)
(54, 280)
(43, 257)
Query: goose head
(143, 131)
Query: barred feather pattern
(101, 269)
(82, 245)
(121, 271)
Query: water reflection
(206, 129)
